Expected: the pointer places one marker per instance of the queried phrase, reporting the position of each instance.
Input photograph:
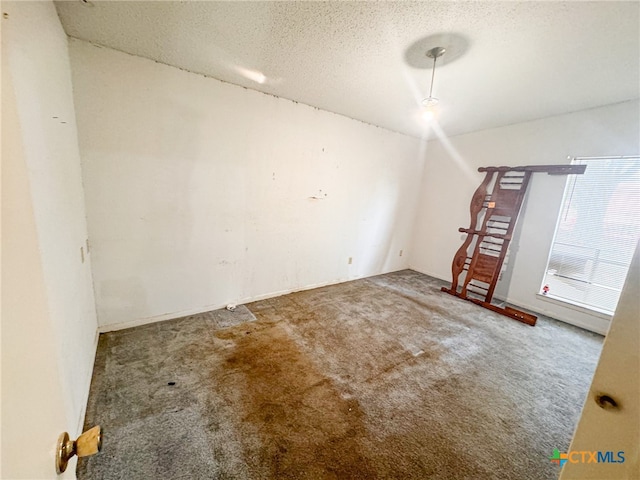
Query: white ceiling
(523, 60)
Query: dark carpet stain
(307, 429)
(380, 378)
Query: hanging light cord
(433, 74)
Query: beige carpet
(385, 377)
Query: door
(33, 411)
(611, 426)
(49, 324)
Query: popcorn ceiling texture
(384, 377)
(526, 60)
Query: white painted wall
(451, 177)
(199, 193)
(48, 315)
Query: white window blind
(596, 234)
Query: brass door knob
(89, 443)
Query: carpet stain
(307, 429)
(379, 378)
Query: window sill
(576, 306)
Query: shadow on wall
(378, 231)
(501, 291)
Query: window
(596, 234)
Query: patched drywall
(49, 321)
(201, 193)
(451, 177)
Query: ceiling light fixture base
(436, 52)
(430, 102)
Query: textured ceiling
(516, 61)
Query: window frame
(571, 303)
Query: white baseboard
(207, 308)
(597, 323)
(137, 322)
